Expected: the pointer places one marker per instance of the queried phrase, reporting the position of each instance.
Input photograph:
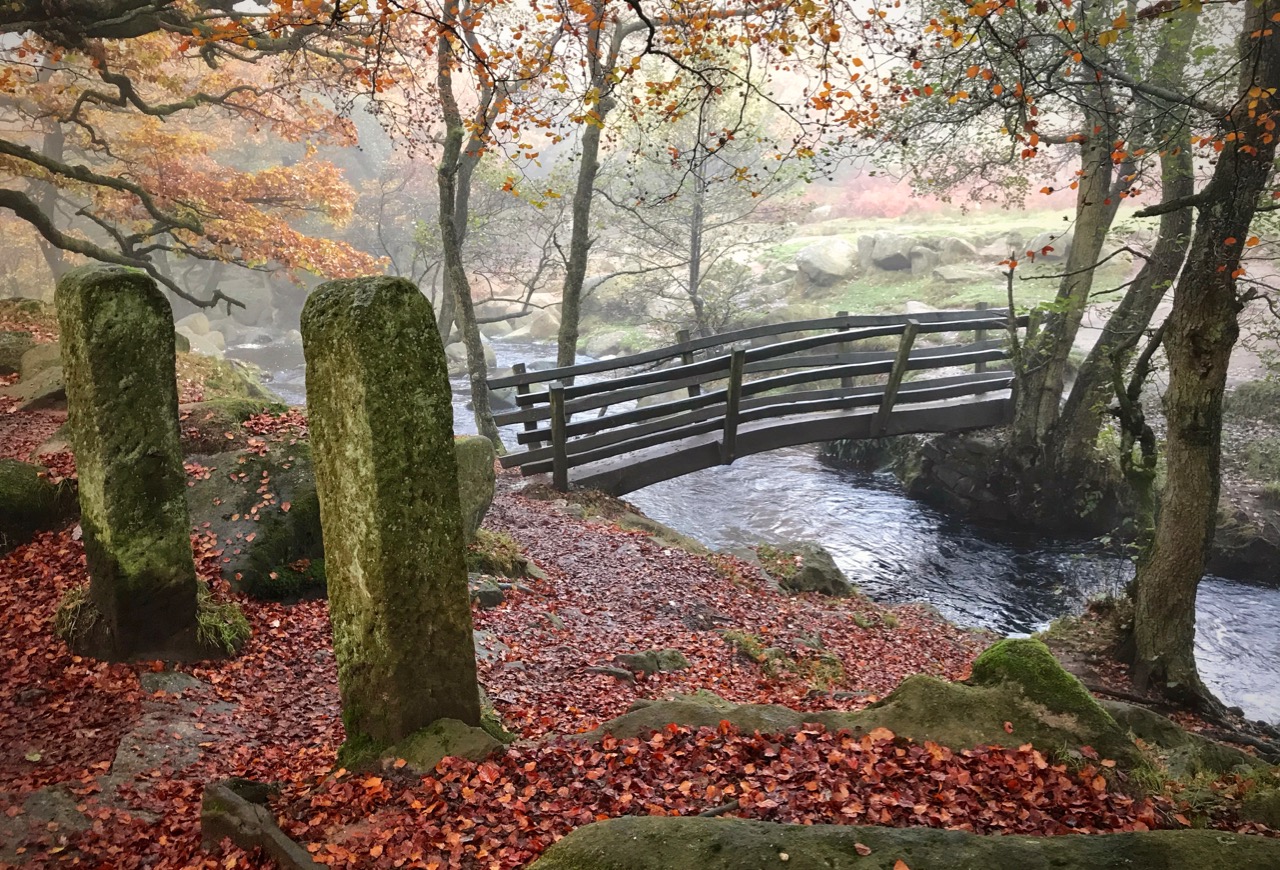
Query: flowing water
(897, 550)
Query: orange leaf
(1253, 240)
(900, 865)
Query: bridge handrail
(840, 322)
(547, 415)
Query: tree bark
(1201, 332)
(1076, 434)
(448, 180)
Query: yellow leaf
(1121, 22)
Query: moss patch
(653, 843)
(496, 553)
(30, 503)
(220, 624)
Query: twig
(720, 810)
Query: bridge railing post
(733, 400)
(686, 358)
(523, 390)
(559, 439)
(899, 369)
(979, 336)
(846, 381)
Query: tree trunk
(447, 175)
(580, 238)
(1040, 395)
(1200, 334)
(1075, 436)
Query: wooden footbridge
(707, 401)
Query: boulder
(29, 503)
(444, 738)
(671, 843)
(195, 324)
(957, 274)
(47, 389)
(545, 325)
(476, 479)
(13, 346)
(40, 358)
(1185, 753)
(828, 261)
(802, 566)
(923, 260)
(1262, 805)
(892, 252)
(496, 329)
(654, 661)
(1019, 694)
(203, 343)
(1059, 241)
(610, 342)
(866, 251)
(953, 250)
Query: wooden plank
(597, 447)
(850, 322)
(732, 400)
(980, 335)
(895, 375)
(630, 473)
(846, 381)
(560, 467)
(521, 390)
(843, 358)
(686, 358)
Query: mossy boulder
(655, 843)
(215, 425)
(12, 346)
(476, 479)
(1028, 665)
(30, 503)
(654, 661)
(444, 738)
(1185, 753)
(1016, 697)
(802, 566)
(1263, 806)
(265, 512)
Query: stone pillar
(122, 401)
(381, 418)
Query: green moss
(29, 502)
(1270, 494)
(220, 624)
(1255, 401)
(76, 616)
(658, 843)
(1030, 665)
(888, 620)
(781, 565)
(746, 644)
(496, 553)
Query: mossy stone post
(381, 418)
(122, 401)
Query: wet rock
(802, 566)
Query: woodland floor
(103, 765)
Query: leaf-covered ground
(104, 765)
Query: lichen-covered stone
(656, 843)
(476, 479)
(118, 359)
(803, 566)
(29, 502)
(654, 661)
(381, 419)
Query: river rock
(496, 329)
(827, 262)
(658, 843)
(803, 566)
(30, 503)
(195, 324)
(545, 325)
(118, 354)
(381, 421)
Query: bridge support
(733, 400)
(559, 439)
(899, 369)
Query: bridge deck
(747, 400)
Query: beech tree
(120, 154)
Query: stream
(898, 550)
